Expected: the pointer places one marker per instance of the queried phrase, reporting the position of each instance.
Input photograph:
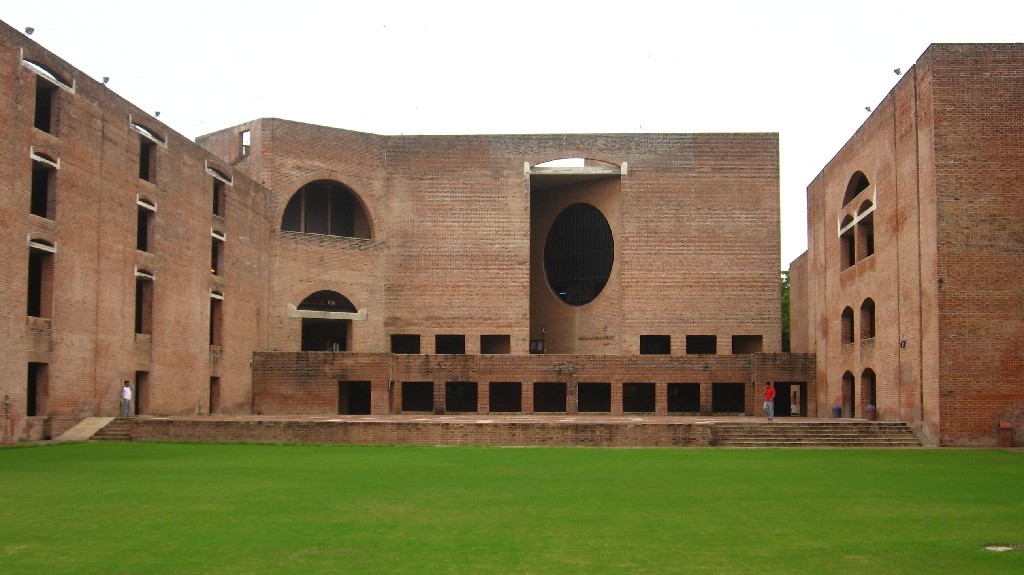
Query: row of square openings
(649, 344)
(867, 322)
(857, 228)
(354, 397)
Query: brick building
(911, 292)
(285, 268)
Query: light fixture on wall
(903, 342)
(29, 30)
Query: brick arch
(292, 217)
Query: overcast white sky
(803, 69)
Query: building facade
(911, 292)
(286, 268)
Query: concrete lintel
(294, 311)
(576, 171)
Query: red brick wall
(88, 343)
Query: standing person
(769, 401)
(126, 399)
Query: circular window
(578, 254)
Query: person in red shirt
(769, 401)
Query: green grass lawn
(181, 508)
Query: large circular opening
(578, 254)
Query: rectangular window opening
(701, 344)
(40, 283)
(656, 344)
(143, 305)
(214, 395)
(506, 397)
(418, 396)
(36, 390)
(405, 343)
(450, 344)
(745, 344)
(354, 398)
(46, 104)
(638, 398)
(43, 203)
(219, 188)
(147, 160)
(216, 256)
(460, 397)
(144, 229)
(216, 321)
(684, 398)
(245, 140)
(495, 344)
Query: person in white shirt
(126, 399)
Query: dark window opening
(506, 397)
(46, 104)
(701, 344)
(143, 305)
(744, 344)
(495, 344)
(536, 346)
(684, 398)
(405, 343)
(846, 326)
(728, 398)
(867, 319)
(216, 256)
(418, 396)
(460, 397)
(858, 183)
(866, 235)
(35, 396)
(638, 398)
(144, 229)
(326, 207)
(354, 397)
(219, 193)
(40, 283)
(578, 254)
(847, 248)
(216, 321)
(147, 160)
(450, 344)
(214, 395)
(549, 397)
(325, 334)
(656, 344)
(594, 397)
(327, 300)
(43, 203)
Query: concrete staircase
(85, 429)
(880, 434)
(119, 429)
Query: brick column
(616, 391)
(440, 395)
(483, 398)
(705, 397)
(660, 399)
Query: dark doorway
(141, 396)
(849, 393)
(460, 397)
(35, 396)
(790, 398)
(684, 398)
(549, 397)
(214, 395)
(418, 396)
(638, 398)
(595, 397)
(354, 397)
(728, 398)
(506, 397)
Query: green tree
(785, 311)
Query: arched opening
(867, 319)
(326, 207)
(846, 326)
(847, 243)
(323, 332)
(578, 254)
(858, 183)
(866, 231)
(848, 393)
(868, 392)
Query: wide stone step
(119, 429)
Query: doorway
(354, 398)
